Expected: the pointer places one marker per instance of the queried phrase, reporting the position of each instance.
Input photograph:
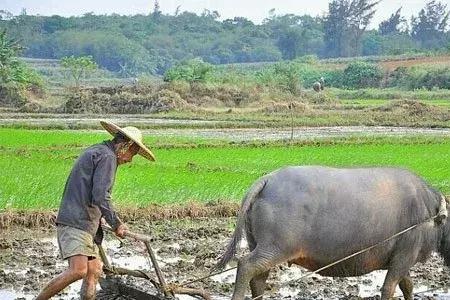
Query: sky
(255, 10)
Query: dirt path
(187, 249)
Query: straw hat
(133, 134)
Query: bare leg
(406, 286)
(88, 288)
(78, 267)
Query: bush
(11, 95)
(429, 78)
(361, 75)
(283, 75)
(193, 70)
(307, 59)
(420, 77)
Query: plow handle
(146, 240)
(129, 234)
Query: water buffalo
(312, 216)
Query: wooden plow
(114, 288)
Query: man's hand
(121, 230)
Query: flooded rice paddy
(187, 249)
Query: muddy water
(187, 249)
(300, 132)
(245, 134)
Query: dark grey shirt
(87, 195)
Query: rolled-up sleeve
(103, 181)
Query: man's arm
(103, 180)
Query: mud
(187, 249)
(300, 133)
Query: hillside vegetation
(151, 43)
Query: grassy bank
(270, 114)
(362, 103)
(35, 165)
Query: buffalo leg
(251, 265)
(406, 286)
(258, 285)
(390, 283)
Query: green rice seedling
(35, 166)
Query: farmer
(319, 85)
(87, 199)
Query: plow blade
(114, 288)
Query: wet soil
(234, 134)
(300, 133)
(188, 249)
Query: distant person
(319, 85)
(316, 86)
(86, 199)
(322, 83)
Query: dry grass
(46, 219)
(29, 219)
(391, 65)
(411, 107)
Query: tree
(108, 49)
(177, 10)
(334, 26)
(296, 35)
(8, 59)
(139, 44)
(345, 25)
(55, 23)
(430, 26)
(289, 43)
(5, 15)
(156, 9)
(214, 15)
(15, 76)
(78, 67)
(12, 70)
(391, 25)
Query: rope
(206, 277)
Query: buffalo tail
(249, 198)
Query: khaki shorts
(73, 241)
